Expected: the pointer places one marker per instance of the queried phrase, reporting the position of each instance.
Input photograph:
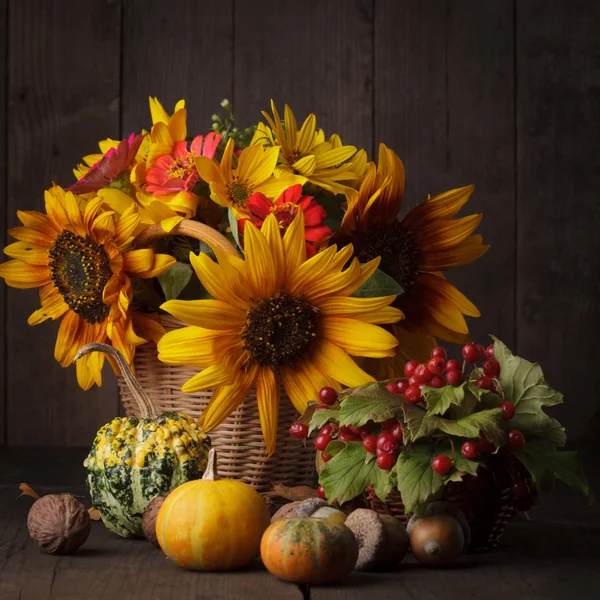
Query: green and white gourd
(135, 459)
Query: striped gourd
(135, 459)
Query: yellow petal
(210, 314)
(261, 270)
(351, 307)
(210, 377)
(74, 213)
(53, 309)
(208, 169)
(265, 168)
(39, 222)
(306, 165)
(177, 125)
(267, 397)
(334, 157)
(29, 253)
(148, 327)
(31, 236)
(336, 363)
(294, 245)
(160, 263)
(226, 162)
(298, 387)
(21, 275)
(291, 127)
(272, 233)
(168, 224)
(357, 337)
(103, 227)
(67, 339)
(158, 113)
(306, 135)
(137, 261)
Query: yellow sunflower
(415, 251)
(233, 186)
(324, 163)
(78, 259)
(277, 316)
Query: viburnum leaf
(174, 279)
(348, 474)
(542, 458)
(308, 413)
(524, 385)
(372, 402)
(420, 425)
(417, 482)
(439, 400)
(379, 284)
(320, 417)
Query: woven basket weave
(238, 440)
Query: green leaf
(234, 228)
(369, 402)
(420, 425)
(320, 417)
(524, 385)
(334, 447)
(308, 413)
(542, 458)
(417, 482)
(332, 205)
(439, 399)
(348, 474)
(174, 279)
(206, 249)
(379, 284)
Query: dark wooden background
(504, 94)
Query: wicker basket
(238, 440)
(487, 504)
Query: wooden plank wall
(502, 94)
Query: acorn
(382, 539)
(149, 519)
(59, 523)
(437, 541)
(439, 508)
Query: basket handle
(144, 402)
(193, 229)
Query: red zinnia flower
(176, 172)
(285, 208)
(110, 167)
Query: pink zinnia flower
(285, 208)
(176, 172)
(110, 167)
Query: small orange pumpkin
(307, 550)
(212, 524)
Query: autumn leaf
(27, 490)
(94, 513)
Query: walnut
(382, 539)
(58, 523)
(149, 518)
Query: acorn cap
(369, 532)
(301, 508)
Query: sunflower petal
(261, 269)
(294, 246)
(28, 253)
(358, 338)
(68, 340)
(336, 363)
(209, 314)
(148, 327)
(211, 377)
(267, 397)
(22, 275)
(52, 309)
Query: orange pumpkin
(307, 550)
(212, 524)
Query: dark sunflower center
(238, 194)
(279, 331)
(80, 269)
(397, 248)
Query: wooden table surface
(557, 555)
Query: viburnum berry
(454, 377)
(516, 440)
(348, 436)
(440, 352)
(508, 408)
(385, 437)
(524, 504)
(325, 457)
(520, 489)
(481, 351)
(327, 429)
(436, 365)
(491, 367)
(412, 380)
(437, 381)
(453, 364)
(393, 388)
(470, 353)
(485, 383)
(397, 431)
(299, 430)
(422, 374)
(370, 443)
(412, 394)
(402, 385)
(390, 447)
(389, 423)
(489, 351)
(484, 445)
(321, 407)
(441, 464)
(385, 461)
(409, 367)
(328, 395)
(321, 493)
(469, 450)
(321, 441)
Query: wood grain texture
(63, 98)
(444, 92)
(176, 53)
(3, 214)
(558, 121)
(315, 56)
